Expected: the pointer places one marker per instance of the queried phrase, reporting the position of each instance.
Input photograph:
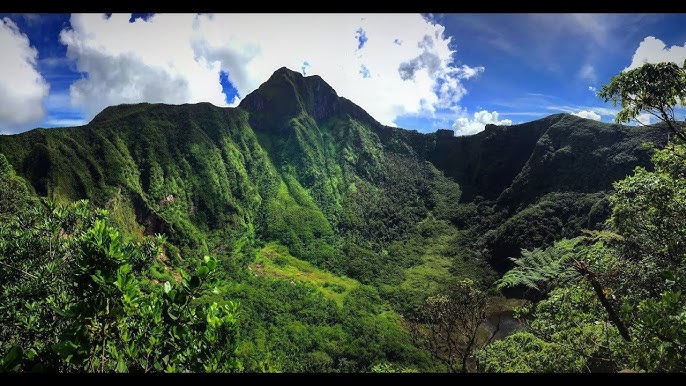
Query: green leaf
(173, 313)
(64, 348)
(203, 270)
(12, 360)
(121, 366)
(167, 287)
(175, 334)
(31, 353)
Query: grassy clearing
(434, 269)
(273, 260)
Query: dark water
(508, 324)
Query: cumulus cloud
(389, 64)
(22, 87)
(142, 61)
(466, 126)
(428, 59)
(588, 114)
(654, 50)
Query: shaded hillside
(520, 163)
(564, 185)
(580, 155)
(535, 182)
(486, 163)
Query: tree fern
(557, 265)
(538, 268)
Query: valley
(321, 234)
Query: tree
(447, 325)
(77, 295)
(635, 268)
(652, 88)
(648, 211)
(559, 264)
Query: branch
(495, 331)
(669, 121)
(585, 271)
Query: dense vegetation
(613, 298)
(297, 234)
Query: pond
(508, 324)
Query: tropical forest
(295, 233)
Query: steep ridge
(486, 163)
(294, 162)
(580, 155)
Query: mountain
(296, 163)
(327, 229)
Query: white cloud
(577, 109)
(610, 111)
(587, 72)
(176, 58)
(642, 119)
(466, 126)
(592, 89)
(22, 88)
(136, 62)
(589, 114)
(653, 50)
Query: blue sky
(422, 72)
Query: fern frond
(538, 267)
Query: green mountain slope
(328, 225)
(486, 163)
(564, 184)
(580, 155)
(299, 164)
(294, 163)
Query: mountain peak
(298, 76)
(286, 71)
(287, 94)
